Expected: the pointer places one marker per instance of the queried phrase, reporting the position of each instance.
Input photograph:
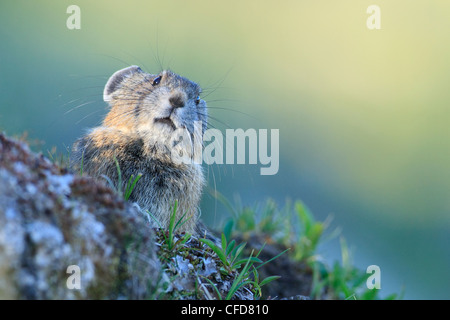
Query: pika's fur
(146, 110)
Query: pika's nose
(177, 100)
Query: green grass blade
(181, 221)
(131, 185)
(186, 237)
(216, 249)
(237, 251)
(228, 230)
(173, 216)
(119, 176)
(237, 283)
(230, 247)
(224, 243)
(273, 258)
(219, 296)
(268, 279)
(172, 224)
(159, 225)
(242, 261)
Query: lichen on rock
(51, 219)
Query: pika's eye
(197, 100)
(156, 81)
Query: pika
(138, 135)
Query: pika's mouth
(166, 121)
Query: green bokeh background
(363, 114)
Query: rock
(51, 220)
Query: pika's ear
(116, 79)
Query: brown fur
(143, 114)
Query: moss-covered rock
(51, 219)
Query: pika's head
(155, 105)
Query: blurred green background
(363, 114)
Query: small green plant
(305, 245)
(242, 279)
(169, 238)
(258, 284)
(343, 280)
(249, 277)
(129, 187)
(229, 254)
